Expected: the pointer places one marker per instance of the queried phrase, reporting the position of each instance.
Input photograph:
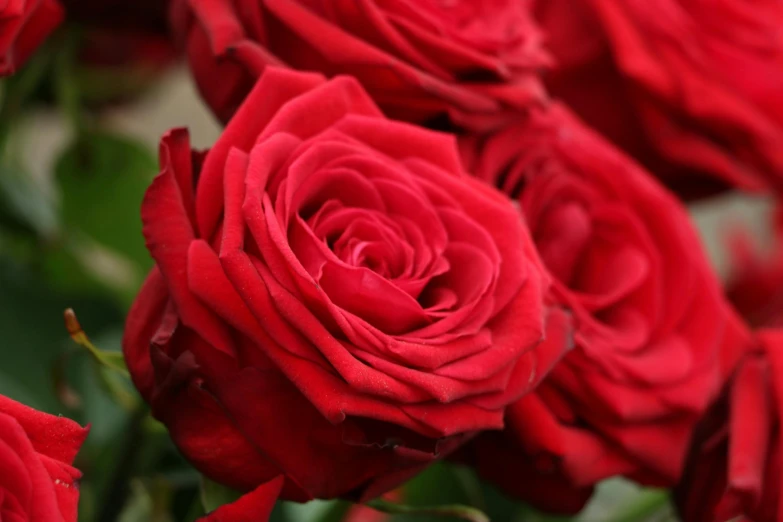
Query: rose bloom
(654, 336)
(335, 299)
(24, 24)
(755, 282)
(37, 480)
(471, 61)
(735, 468)
(690, 88)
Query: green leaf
(103, 178)
(24, 207)
(620, 500)
(33, 335)
(214, 495)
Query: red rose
(472, 61)
(735, 470)
(334, 299)
(755, 283)
(654, 336)
(689, 87)
(37, 481)
(24, 24)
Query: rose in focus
(689, 87)
(474, 62)
(335, 300)
(37, 480)
(735, 470)
(654, 336)
(24, 24)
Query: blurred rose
(116, 65)
(689, 87)
(735, 470)
(755, 282)
(149, 16)
(37, 481)
(123, 50)
(24, 24)
(474, 62)
(334, 298)
(654, 336)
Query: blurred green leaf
(317, 510)
(146, 503)
(214, 495)
(459, 511)
(18, 88)
(33, 334)
(437, 485)
(620, 500)
(139, 506)
(24, 207)
(103, 178)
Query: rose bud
(37, 480)
(735, 467)
(471, 63)
(654, 336)
(335, 299)
(690, 88)
(24, 25)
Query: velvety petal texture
(334, 294)
(690, 88)
(735, 468)
(24, 24)
(655, 339)
(471, 62)
(37, 480)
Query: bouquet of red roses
(439, 260)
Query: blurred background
(70, 236)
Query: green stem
(18, 89)
(454, 510)
(67, 85)
(118, 489)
